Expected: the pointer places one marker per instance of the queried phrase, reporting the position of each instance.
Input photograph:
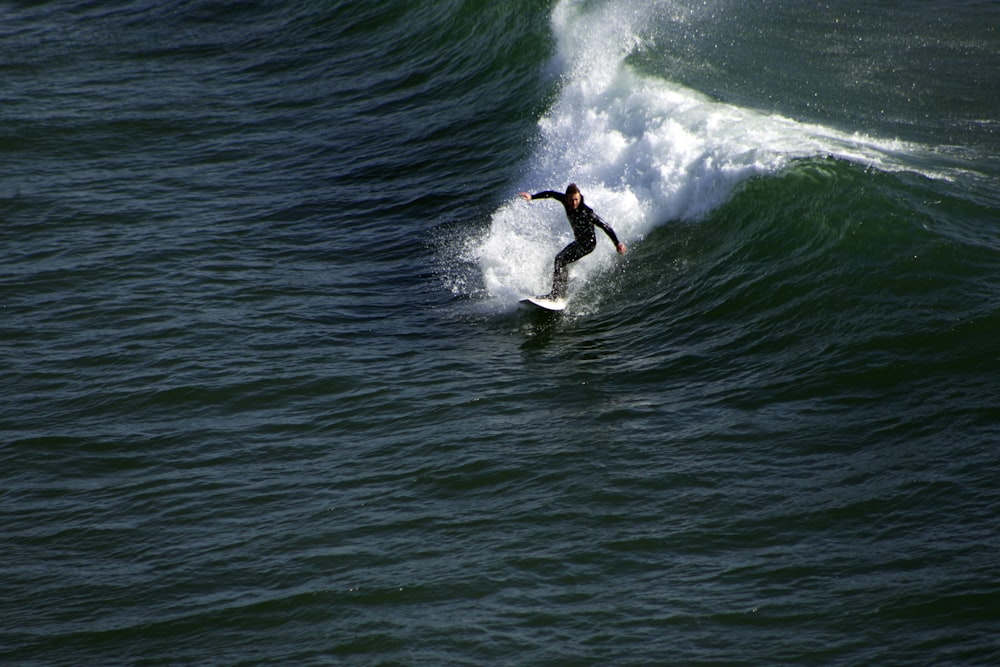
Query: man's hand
(525, 195)
(621, 248)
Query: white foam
(643, 150)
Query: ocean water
(267, 395)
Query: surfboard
(545, 304)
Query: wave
(645, 150)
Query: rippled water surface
(268, 395)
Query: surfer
(583, 220)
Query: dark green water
(268, 397)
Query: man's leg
(560, 276)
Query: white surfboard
(545, 304)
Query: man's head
(573, 195)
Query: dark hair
(571, 190)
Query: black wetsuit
(583, 220)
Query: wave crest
(643, 149)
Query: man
(582, 219)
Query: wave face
(266, 396)
(648, 150)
